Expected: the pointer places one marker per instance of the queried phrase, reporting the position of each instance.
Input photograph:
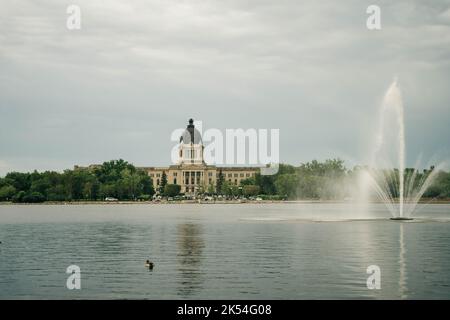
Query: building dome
(191, 135)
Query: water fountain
(399, 189)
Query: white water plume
(386, 177)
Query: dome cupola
(191, 135)
(191, 146)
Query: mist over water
(386, 177)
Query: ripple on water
(229, 252)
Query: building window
(157, 182)
(158, 175)
(241, 175)
(209, 174)
(235, 181)
(174, 174)
(210, 181)
(247, 175)
(235, 175)
(230, 175)
(152, 175)
(175, 181)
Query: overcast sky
(139, 69)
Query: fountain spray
(393, 99)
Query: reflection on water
(402, 265)
(190, 245)
(221, 251)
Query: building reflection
(402, 265)
(190, 246)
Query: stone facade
(191, 172)
(197, 178)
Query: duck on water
(149, 264)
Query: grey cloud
(139, 69)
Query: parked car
(111, 199)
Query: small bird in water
(149, 264)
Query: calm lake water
(230, 251)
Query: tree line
(116, 178)
(329, 179)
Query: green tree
(20, 181)
(287, 185)
(40, 184)
(57, 193)
(230, 189)
(210, 189)
(91, 189)
(108, 190)
(440, 187)
(7, 192)
(266, 183)
(250, 190)
(163, 182)
(74, 181)
(248, 181)
(18, 197)
(110, 171)
(131, 183)
(172, 190)
(220, 182)
(33, 197)
(147, 184)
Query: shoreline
(165, 202)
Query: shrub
(172, 190)
(33, 197)
(251, 190)
(144, 197)
(18, 197)
(7, 192)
